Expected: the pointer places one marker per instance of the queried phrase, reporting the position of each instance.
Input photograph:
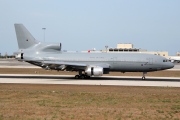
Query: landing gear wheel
(143, 78)
(88, 77)
(77, 76)
(82, 76)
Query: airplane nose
(170, 65)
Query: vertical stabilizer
(24, 37)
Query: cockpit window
(165, 60)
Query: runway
(105, 80)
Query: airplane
(175, 59)
(49, 56)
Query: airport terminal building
(130, 48)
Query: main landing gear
(82, 76)
(143, 76)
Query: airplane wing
(56, 65)
(65, 66)
(63, 63)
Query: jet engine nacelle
(50, 47)
(94, 71)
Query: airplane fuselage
(123, 62)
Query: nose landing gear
(143, 76)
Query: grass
(54, 102)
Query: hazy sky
(85, 24)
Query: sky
(85, 24)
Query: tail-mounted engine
(51, 47)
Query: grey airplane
(50, 56)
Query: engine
(94, 71)
(51, 47)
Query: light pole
(106, 48)
(44, 33)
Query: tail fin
(24, 37)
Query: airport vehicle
(50, 56)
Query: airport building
(178, 54)
(125, 46)
(130, 48)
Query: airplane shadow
(64, 78)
